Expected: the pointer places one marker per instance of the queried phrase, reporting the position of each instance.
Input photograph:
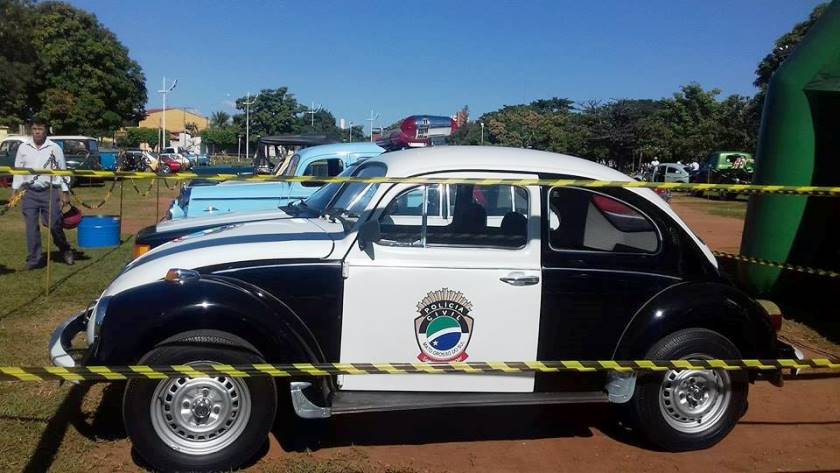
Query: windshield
(353, 197)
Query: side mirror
(369, 232)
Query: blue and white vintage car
(234, 196)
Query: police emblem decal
(444, 327)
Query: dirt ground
(792, 429)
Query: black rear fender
(710, 305)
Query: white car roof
(492, 158)
(420, 161)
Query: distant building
(177, 120)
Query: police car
(429, 273)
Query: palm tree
(219, 119)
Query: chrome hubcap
(693, 401)
(202, 415)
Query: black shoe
(37, 265)
(69, 258)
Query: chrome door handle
(520, 279)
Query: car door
(606, 252)
(454, 292)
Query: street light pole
(248, 102)
(313, 109)
(163, 91)
(350, 135)
(482, 133)
(371, 120)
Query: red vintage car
(170, 165)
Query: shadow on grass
(5, 270)
(58, 283)
(106, 424)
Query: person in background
(695, 166)
(39, 152)
(654, 162)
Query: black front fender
(141, 317)
(711, 305)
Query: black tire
(651, 416)
(139, 395)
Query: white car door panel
(443, 303)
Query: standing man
(41, 153)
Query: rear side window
(324, 168)
(581, 220)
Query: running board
(352, 402)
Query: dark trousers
(36, 211)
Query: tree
(219, 119)
(17, 61)
(83, 66)
(225, 137)
(273, 112)
(136, 136)
(784, 47)
(691, 115)
(322, 122)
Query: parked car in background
(668, 172)
(80, 152)
(726, 167)
(273, 151)
(383, 274)
(135, 159)
(8, 152)
(208, 198)
(169, 164)
(178, 154)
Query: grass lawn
(47, 426)
(35, 418)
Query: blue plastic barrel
(99, 231)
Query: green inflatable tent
(799, 144)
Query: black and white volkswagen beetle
(378, 272)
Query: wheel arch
(709, 305)
(141, 318)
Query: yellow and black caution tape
(118, 373)
(16, 198)
(143, 193)
(97, 205)
(778, 265)
(585, 183)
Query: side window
(481, 216)
(585, 221)
(324, 168)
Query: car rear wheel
(681, 410)
(199, 424)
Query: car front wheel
(199, 424)
(681, 410)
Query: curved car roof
(303, 140)
(417, 161)
(341, 148)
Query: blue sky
(431, 56)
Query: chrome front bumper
(62, 338)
